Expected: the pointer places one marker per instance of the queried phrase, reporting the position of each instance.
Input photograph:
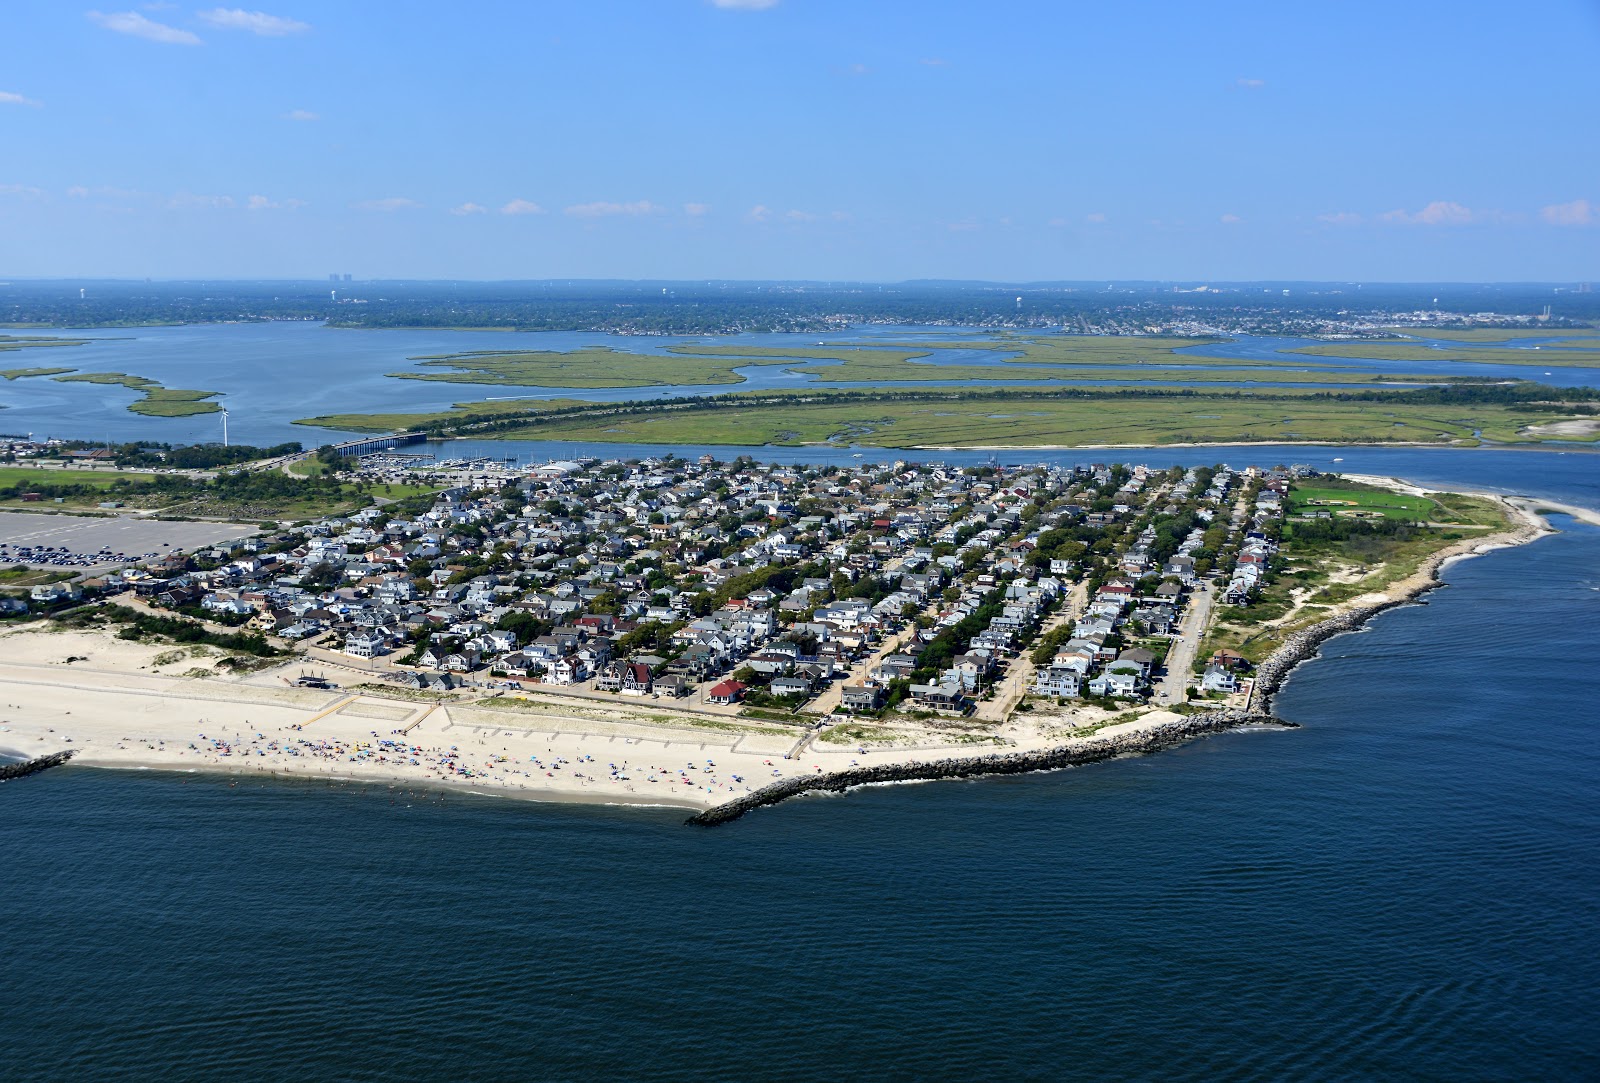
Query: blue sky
(820, 139)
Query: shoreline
(1145, 741)
(119, 714)
(1303, 646)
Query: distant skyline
(802, 139)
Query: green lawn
(1360, 501)
(34, 475)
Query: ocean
(1404, 888)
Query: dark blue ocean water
(1406, 888)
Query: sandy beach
(116, 707)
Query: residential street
(1180, 660)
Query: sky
(874, 140)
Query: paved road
(1180, 660)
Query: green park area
(1358, 502)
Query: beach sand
(116, 709)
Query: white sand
(118, 710)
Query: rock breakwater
(1154, 739)
(34, 766)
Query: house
(636, 679)
(48, 593)
(944, 698)
(791, 686)
(365, 645)
(726, 692)
(861, 697)
(672, 685)
(1116, 683)
(1061, 682)
(1217, 679)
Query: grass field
(1546, 357)
(1362, 501)
(35, 475)
(158, 401)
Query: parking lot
(79, 542)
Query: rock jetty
(1154, 739)
(34, 766)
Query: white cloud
(1580, 212)
(8, 98)
(1095, 218)
(24, 190)
(934, 62)
(759, 213)
(469, 208)
(1438, 213)
(184, 200)
(696, 210)
(802, 216)
(393, 203)
(262, 203)
(1340, 218)
(744, 5)
(135, 25)
(256, 22)
(968, 226)
(1249, 84)
(602, 209)
(301, 114)
(1230, 219)
(522, 206)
